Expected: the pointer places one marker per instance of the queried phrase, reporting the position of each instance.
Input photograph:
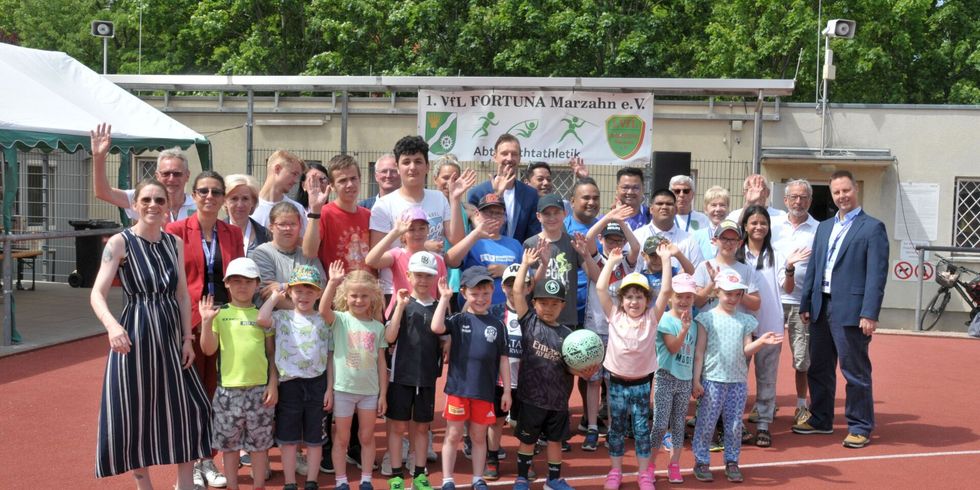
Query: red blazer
(189, 230)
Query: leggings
(626, 400)
(670, 399)
(728, 399)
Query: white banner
(599, 127)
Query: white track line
(510, 482)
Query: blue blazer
(858, 283)
(526, 202)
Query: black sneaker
(467, 447)
(565, 446)
(326, 464)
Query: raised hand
(531, 256)
(685, 318)
(403, 296)
(620, 213)
(458, 185)
(798, 255)
(505, 180)
(402, 225)
(445, 291)
(711, 270)
(614, 254)
(664, 250)
(756, 192)
(336, 272)
(101, 139)
(579, 244)
(207, 309)
(578, 167)
(544, 250)
(318, 196)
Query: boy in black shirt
(477, 356)
(415, 364)
(545, 380)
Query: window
(966, 218)
(144, 169)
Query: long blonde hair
(360, 278)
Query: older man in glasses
(687, 218)
(387, 178)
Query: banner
(552, 126)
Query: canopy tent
(51, 101)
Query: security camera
(103, 28)
(840, 28)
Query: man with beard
(520, 199)
(387, 178)
(629, 191)
(683, 188)
(663, 210)
(793, 232)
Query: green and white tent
(51, 101)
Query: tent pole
(11, 180)
(249, 123)
(344, 116)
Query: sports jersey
(478, 342)
(545, 381)
(417, 357)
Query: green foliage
(905, 51)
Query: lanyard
(833, 246)
(688, 225)
(209, 257)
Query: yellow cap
(635, 279)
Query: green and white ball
(582, 349)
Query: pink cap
(415, 213)
(684, 283)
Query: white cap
(511, 272)
(729, 280)
(423, 262)
(242, 266)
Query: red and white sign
(903, 270)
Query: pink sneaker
(674, 473)
(646, 478)
(613, 480)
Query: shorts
(536, 422)
(299, 413)
(240, 420)
(498, 395)
(346, 404)
(415, 403)
(799, 337)
(459, 409)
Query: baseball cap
(651, 243)
(511, 272)
(635, 279)
(728, 225)
(729, 280)
(549, 289)
(423, 262)
(244, 267)
(683, 283)
(490, 199)
(415, 213)
(475, 275)
(305, 274)
(550, 200)
(613, 229)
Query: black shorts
(498, 394)
(534, 422)
(413, 403)
(299, 412)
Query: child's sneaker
(645, 479)
(342, 486)
(396, 483)
(521, 483)
(326, 464)
(421, 482)
(386, 469)
(566, 447)
(732, 472)
(558, 484)
(501, 454)
(467, 447)
(492, 472)
(591, 441)
(716, 446)
(311, 485)
(613, 479)
(449, 486)
(480, 485)
(702, 472)
(674, 473)
(365, 485)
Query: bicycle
(950, 276)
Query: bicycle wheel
(937, 305)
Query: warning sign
(903, 270)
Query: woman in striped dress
(154, 409)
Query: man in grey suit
(842, 294)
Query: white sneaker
(386, 464)
(301, 465)
(212, 475)
(198, 477)
(430, 454)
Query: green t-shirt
(241, 341)
(724, 354)
(355, 354)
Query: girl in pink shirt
(631, 360)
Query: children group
(415, 278)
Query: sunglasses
(204, 192)
(681, 191)
(171, 174)
(159, 201)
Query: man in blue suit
(520, 199)
(842, 293)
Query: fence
(55, 188)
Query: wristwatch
(313, 215)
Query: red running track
(926, 399)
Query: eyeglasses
(159, 201)
(796, 197)
(681, 191)
(174, 174)
(204, 192)
(629, 188)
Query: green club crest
(625, 135)
(440, 131)
(551, 287)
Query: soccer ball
(582, 349)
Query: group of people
(298, 322)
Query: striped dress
(153, 412)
